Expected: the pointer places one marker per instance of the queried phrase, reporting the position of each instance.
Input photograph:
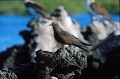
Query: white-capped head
(28, 0)
(90, 1)
(60, 7)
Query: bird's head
(56, 26)
(59, 8)
(90, 1)
(53, 24)
(29, 1)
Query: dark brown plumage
(38, 9)
(66, 38)
(100, 10)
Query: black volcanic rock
(5, 73)
(66, 62)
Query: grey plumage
(66, 38)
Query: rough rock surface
(65, 63)
(5, 73)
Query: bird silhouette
(64, 37)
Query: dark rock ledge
(65, 63)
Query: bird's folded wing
(68, 38)
(99, 9)
(38, 8)
(87, 44)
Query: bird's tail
(93, 48)
(84, 48)
(85, 43)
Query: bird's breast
(57, 37)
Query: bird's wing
(100, 10)
(85, 43)
(38, 8)
(68, 38)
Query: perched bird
(66, 38)
(36, 10)
(97, 10)
(61, 16)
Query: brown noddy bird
(97, 9)
(36, 9)
(66, 38)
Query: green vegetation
(72, 6)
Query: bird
(36, 10)
(65, 37)
(97, 10)
(66, 22)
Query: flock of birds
(65, 29)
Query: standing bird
(36, 10)
(66, 38)
(66, 22)
(97, 10)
